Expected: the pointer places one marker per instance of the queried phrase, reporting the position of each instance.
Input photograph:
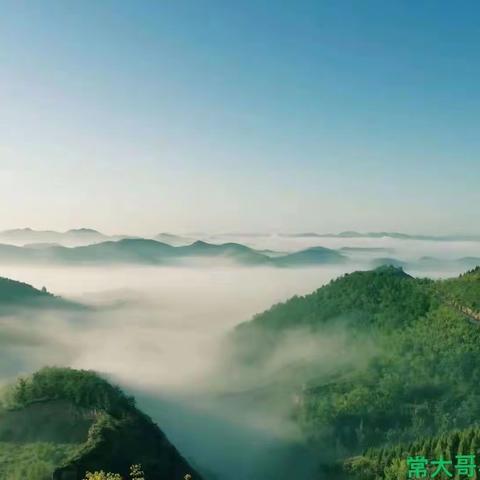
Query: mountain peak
(390, 269)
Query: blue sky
(149, 116)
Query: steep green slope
(421, 379)
(86, 424)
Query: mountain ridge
(149, 251)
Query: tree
(102, 476)
(136, 473)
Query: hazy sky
(188, 115)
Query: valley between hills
(387, 366)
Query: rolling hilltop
(60, 423)
(151, 252)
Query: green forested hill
(15, 294)
(12, 291)
(422, 378)
(386, 296)
(382, 299)
(65, 422)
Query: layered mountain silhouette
(174, 240)
(80, 236)
(394, 235)
(152, 252)
(86, 236)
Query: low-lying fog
(157, 332)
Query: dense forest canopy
(82, 388)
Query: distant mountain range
(77, 237)
(428, 263)
(143, 251)
(395, 235)
(88, 246)
(152, 252)
(88, 236)
(80, 236)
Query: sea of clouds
(159, 331)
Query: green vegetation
(413, 388)
(463, 290)
(96, 427)
(422, 379)
(136, 473)
(383, 299)
(390, 463)
(385, 296)
(32, 461)
(80, 387)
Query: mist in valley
(159, 332)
